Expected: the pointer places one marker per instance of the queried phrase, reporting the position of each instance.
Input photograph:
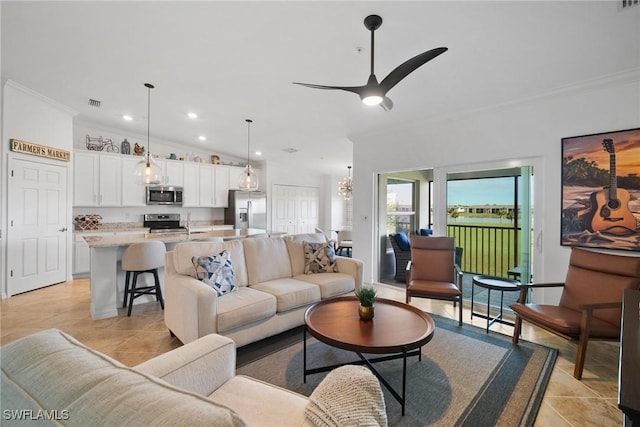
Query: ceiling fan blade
(386, 104)
(354, 89)
(409, 66)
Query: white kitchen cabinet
(85, 179)
(172, 171)
(207, 186)
(191, 185)
(234, 176)
(221, 186)
(97, 179)
(82, 253)
(133, 194)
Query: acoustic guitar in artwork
(610, 206)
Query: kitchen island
(107, 277)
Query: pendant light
(345, 187)
(248, 179)
(147, 171)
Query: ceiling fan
(374, 93)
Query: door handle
(63, 229)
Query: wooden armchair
(591, 303)
(432, 272)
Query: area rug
(466, 377)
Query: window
(401, 211)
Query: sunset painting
(601, 190)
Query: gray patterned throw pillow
(216, 271)
(319, 258)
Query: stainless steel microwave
(164, 195)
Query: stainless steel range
(163, 223)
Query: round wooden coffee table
(396, 330)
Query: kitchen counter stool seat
(140, 258)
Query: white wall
(527, 132)
(29, 116)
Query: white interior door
(295, 209)
(308, 200)
(37, 235)
(285, 208)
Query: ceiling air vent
(628, 3)
(290, 150)
(94, 103)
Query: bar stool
(140, 258)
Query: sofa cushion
(184, 252)
(295, 246)
(267, 259)
(330, 284)
(319, 258)
(290, 293)
(279, 407)
(52, 371)
(244, 307)
(216, 271)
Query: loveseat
(272, 290)
(49, 378)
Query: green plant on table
(366, 296)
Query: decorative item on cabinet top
(87, 221)
(100, 144)
(125, 147)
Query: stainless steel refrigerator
(247, 209)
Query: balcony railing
(489, 250)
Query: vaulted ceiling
(228, 61)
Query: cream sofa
(49, 379)
(273, 291)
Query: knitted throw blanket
(349, 396)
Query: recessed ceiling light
(192, 115)
(202, 138)
(258, 153)
(127, 117)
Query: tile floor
(132, 340)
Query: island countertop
(127, 239)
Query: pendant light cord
(149, 86)
(249, 121)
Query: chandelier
(345, 186)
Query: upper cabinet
(191, 185)
(172, 171)
(97, 179)
(102, 179)
(133, 194)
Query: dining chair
(345, 242)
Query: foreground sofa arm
(200, 366)
(352, 267)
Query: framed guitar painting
(601, 190)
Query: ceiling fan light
(372, 100)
